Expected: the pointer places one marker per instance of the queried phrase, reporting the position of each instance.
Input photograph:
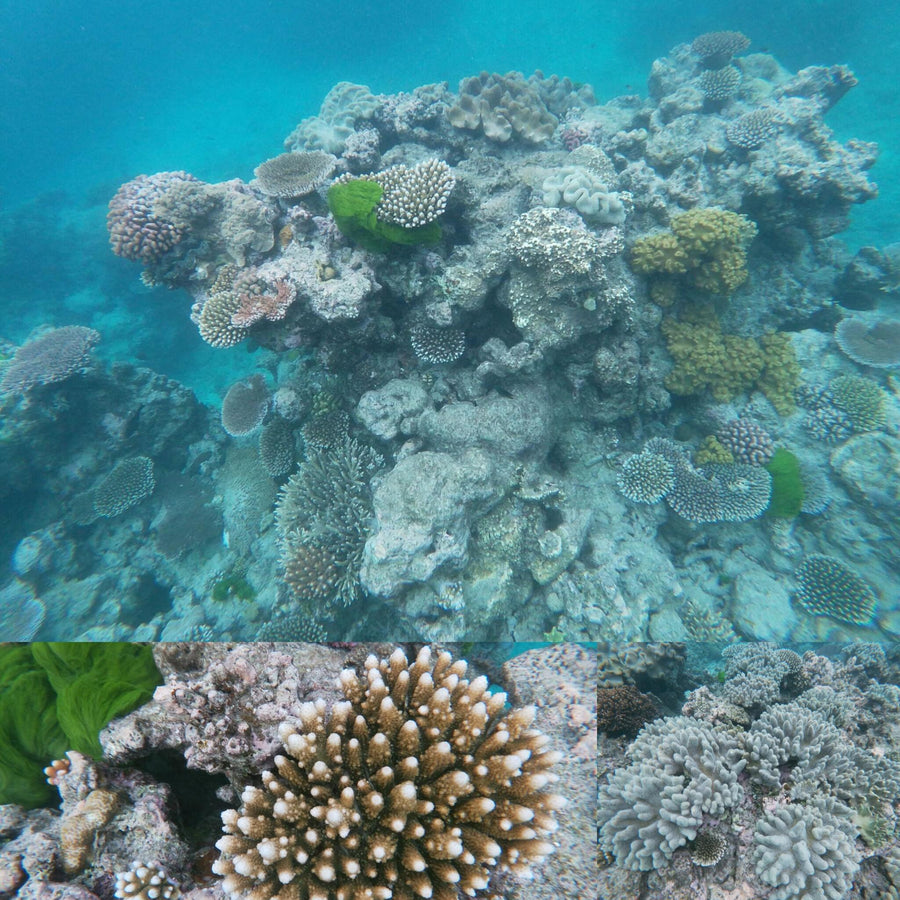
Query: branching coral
(418, 785)
(323, 517)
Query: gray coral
(805, 853)
(294, 174)
(681, 770)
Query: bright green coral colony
(56, 697)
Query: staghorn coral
(245, 405)
(503, 107)
(276, 447)
(129, 482)
(294, 174)
(222, 303)
(296, 625)
(716, 48)
(717, 492)
(876, 345)
(54, 356)
(322, 515)
(753, 129)
(826, 587)
(646, 477)
(861, 399)
(437, 345)
(805, 853)
(417, 785)
(717, 85)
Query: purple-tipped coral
(135, 231)
(747, 442)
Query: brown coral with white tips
(418, 785)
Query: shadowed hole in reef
(198, 807)
(150, 598)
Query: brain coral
(418, 785)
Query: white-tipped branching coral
(420, 784)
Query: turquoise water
(93, 95)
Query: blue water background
(94, 93)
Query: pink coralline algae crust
(221, 705)
(135, 231)
(272, 305)
(54, 356)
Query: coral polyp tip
(420, 784)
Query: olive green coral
(728, 365)
(706, 249)
(705, 358)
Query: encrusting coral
(418, 785)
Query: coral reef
(805, 802)
(234, 723)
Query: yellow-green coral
(781, 375)
(707, 247)
(712, 450)
(726, 364)
(705, 358)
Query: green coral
(56, 697)
(726, 364)
(352, 203)
(233, 586)
(705, 358)
(781, 375)
(861, 399)
(787, 485)
(706, 249)
(712, 450)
